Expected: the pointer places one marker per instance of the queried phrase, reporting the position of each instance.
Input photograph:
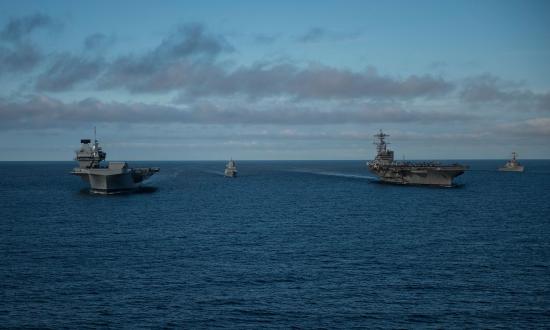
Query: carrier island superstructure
(114, 178)
(413, 173)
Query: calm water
(287, 244)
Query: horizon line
(266, 160)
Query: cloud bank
(42, 112)
(487, 89)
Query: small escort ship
(512, 165)
(410, 173)
(115, 178)
(231, 169)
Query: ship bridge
(384, 155)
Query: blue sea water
(286, 244)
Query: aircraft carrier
(115, 178)
(410, 173)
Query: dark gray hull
(230, 173)
(108, 181)
(418, 175)
(512, 169)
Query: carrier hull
(405, 175)
(107, 181)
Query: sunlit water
(286, 244)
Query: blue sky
(275, 80)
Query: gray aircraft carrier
(413, 173)
(115, 178)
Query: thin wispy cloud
(17, 51)
(19, 58)
(19, 28)
(262, 38)
(98, 42)
(318, 34)
(67, 70)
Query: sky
(275, 80)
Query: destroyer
(231, 169)
(425, 173)
(117, 177)
(512, 165)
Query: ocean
(287, 244)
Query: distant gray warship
(425, 173)
(117, 177)
(231, 169)
(512, 165)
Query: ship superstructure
(513, 165)
(231, 169)
(414, 173)
(114, 178)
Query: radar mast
(381, 143)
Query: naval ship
(413, 173)
(231, 169)
(114, 178)
(512, 165)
